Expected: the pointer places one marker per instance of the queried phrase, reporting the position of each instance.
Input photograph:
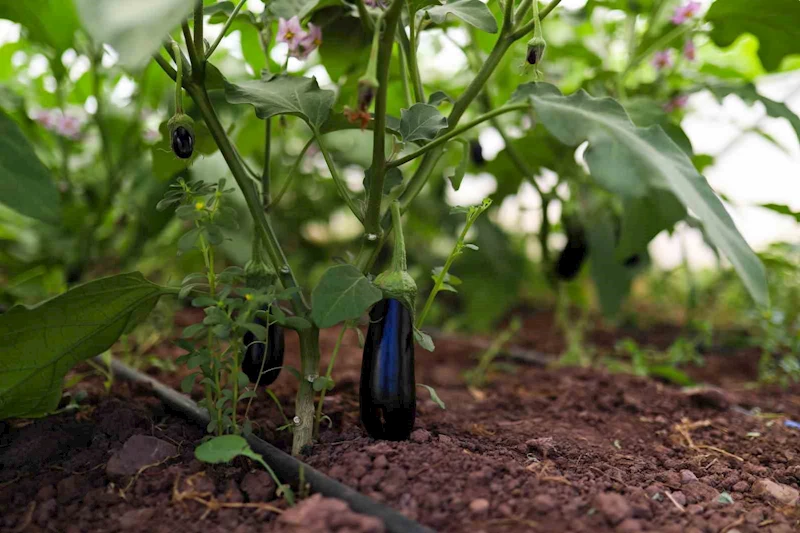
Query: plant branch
(341, 186)
(456, 132)
(225, 28)
(375, 193)
(199, 42)
(410, 52)
(291, 175)
(265, 173)
(187, 36)
(318, 416)
(526, 28)
(165, 66)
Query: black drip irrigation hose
(286, 467)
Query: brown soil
(537, 449)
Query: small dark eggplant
(267, 355)
(572, 257)
(387, 394)
(476, 153)
(181, 135)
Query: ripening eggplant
(572, 257)
(476, 153)
(387, 393)
(264, 358)
(181, 134)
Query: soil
(537, 449)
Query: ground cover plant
(297, 159)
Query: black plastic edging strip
(285, 466)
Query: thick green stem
(328, 373)
(178, 79)
(304, 404)
(456, 132)
(375, 193)
(199, 42)
(399, 263)
(410, 46)
(265, 173)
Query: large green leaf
(41, 344)
(421, 123)
(25, 183)
(611, 278)
(748, 93)
(134, 29)
(284, 95)
(645, 217)
(773, 22)
(473, 12)
(52, 23)
(343, 293)
(630, 161)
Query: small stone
(137, 452)
(420, 436)
(694, 509)
(136, 519)
(47, 492)
(613, 506)
(544, 446)
(445, 439)
(381, 462)
(679, 497)
(709, 397)
(687, 476)
(258, 486)
(699, 492)
(479, 506)
(68, 489)
(779, 493)
(543, 503)
(629, 525)
(741, 486)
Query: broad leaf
(749, 95)
(773, 22)
(457, 175)
(421, 123)
(25, 183)
(473, 12)
(630, 160)
(41, 344)
(284, 95)
(52, 23)
(783, 210)
(134, 29)
(645, 217)
(611, 278)
(288, 8)
(343, 293)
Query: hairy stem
(224, 28)
(304, 404)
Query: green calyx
(397, 283)
(258, 274)
(179, 120)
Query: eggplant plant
(409, 133)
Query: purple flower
(69, 127)
(685, 12)
(690, 50)
(310, 41)
(290, 32)
(663, 59)
(676, 103)
(47, 118)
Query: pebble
(543, 503)
(699, 492)
(687, 476)
(137, 452)
(629, 525)
(613, 506)
(136, 518)
(741, 486)
(679, 497)
(420, 436)
(258, 486)
(380, 462)
(479, 506)
(778, 493)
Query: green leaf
(457, 175)
(52, 23)
(343, 293)
(435, 397)
(187, 383)
(749, 94)
(223, 449)
(473, 12)
(630, 161)
(391, 179)
(612, 279)
(322, 382)
(783, 210)
(41, 344)
(645, 217)
(284, 95)
(774, 23)
(134, 29)
(286, 9)
(436, 98)
(421, 123)
(25, 183)
(423, 339)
